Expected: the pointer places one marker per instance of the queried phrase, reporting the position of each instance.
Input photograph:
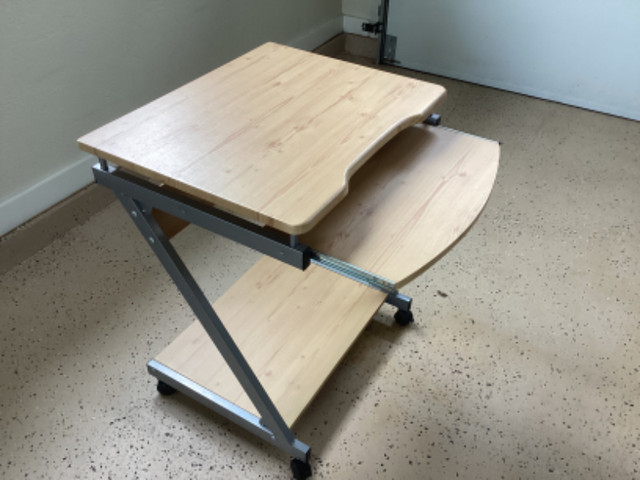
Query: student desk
(325, 167)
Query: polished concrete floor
(524, 361)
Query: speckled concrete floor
(524, 361)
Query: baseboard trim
(319, 35)
(20, 208)
(623, 111)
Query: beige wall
(67, 67)
(365, 9)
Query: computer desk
(328, 169)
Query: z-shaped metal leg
(270, 426)
(139, 197)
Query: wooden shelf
(410, 202)
(292, 326)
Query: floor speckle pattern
(524, 362)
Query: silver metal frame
(383, 17)
(139, 197)
(227, 409)
(132, 192)
(265, 240)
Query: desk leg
(404, 315)
(271, 426)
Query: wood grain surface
(410, 202)
(292, 326)
(273, 136)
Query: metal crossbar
(265, 240)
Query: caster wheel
(403, 317)
(164, 388)
(301, 470)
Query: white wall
(67, 67)
(580, 52)
(356, 12)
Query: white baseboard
(319, 35)
(354, 25)
(16, 210)
(629, 110)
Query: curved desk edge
(410, 203)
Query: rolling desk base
(317, 313)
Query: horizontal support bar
(262, 239)
(227, 409)
(278, 245)
(395, 298)
(351, 271)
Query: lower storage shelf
(292, 326)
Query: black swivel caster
(301, 470)
(403, 317)
(165, 388)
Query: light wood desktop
(273, 136)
